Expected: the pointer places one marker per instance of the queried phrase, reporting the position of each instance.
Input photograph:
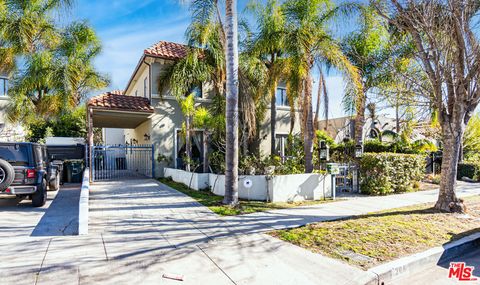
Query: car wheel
(7, 174)
(54, 185)
(39, 198)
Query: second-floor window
(3, 86)
(145, 81)
(281, 97)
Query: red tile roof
(167, 50)
(115, 100)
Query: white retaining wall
(196, 181)
(278, 188)
(258, 191)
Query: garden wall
(196, 181)
(278, 188)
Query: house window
(145, 81)
(196, 90)
(3, 86)
(196, 140)
(281, 145)
(281, 97)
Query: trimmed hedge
(388, 173)
(470, 170)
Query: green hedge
(388, 173)
(470, 170)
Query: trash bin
(74, 171)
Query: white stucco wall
(196, 181)
(258, 191)
(280, 188)
(300, 187)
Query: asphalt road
(58, 217)
(438, 274)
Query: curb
(83, 204)
(416, 262)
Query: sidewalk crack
(43, 261)
(225, 273)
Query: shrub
(388, 173)
(470, 170)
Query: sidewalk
(299, 216)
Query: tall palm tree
(368, 49)
(231, 117)
(309, 41)
(269, 45)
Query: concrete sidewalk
(141, 230)
(353, 206)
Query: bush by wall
(388, 173)
(470, 170)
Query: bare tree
(447, 49)
(231, 156)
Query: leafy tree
(446, 50)
(471, 140)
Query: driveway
(59, 216)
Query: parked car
(26, 170)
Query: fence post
(92, 162)
(153, 161)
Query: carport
(116, 110)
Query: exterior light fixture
(324, 151)
(146, 137)
(359, 150)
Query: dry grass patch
(375, 238)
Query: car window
(17, 154)
(38, 154)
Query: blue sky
(127, 27)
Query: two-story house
(163, 126)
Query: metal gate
(347, 179)
(122, 161)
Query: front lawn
(375, 238)
(214, 202)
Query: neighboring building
(344, 127)
(8, 132)
(163, 127)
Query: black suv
(26, 170)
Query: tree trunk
(188, 144)
(319, 97)
(397, 116)
(273, 119)
(360, 119)
(231, 155)
(452, 132)
(308, 132)
(205, 152)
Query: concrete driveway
(59, 216)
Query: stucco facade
(162, 128)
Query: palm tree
(309, 41)
(57, 79)
(231, 117)
(368, 49)
(76, 74)
(269, 45)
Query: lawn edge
(416, 262)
